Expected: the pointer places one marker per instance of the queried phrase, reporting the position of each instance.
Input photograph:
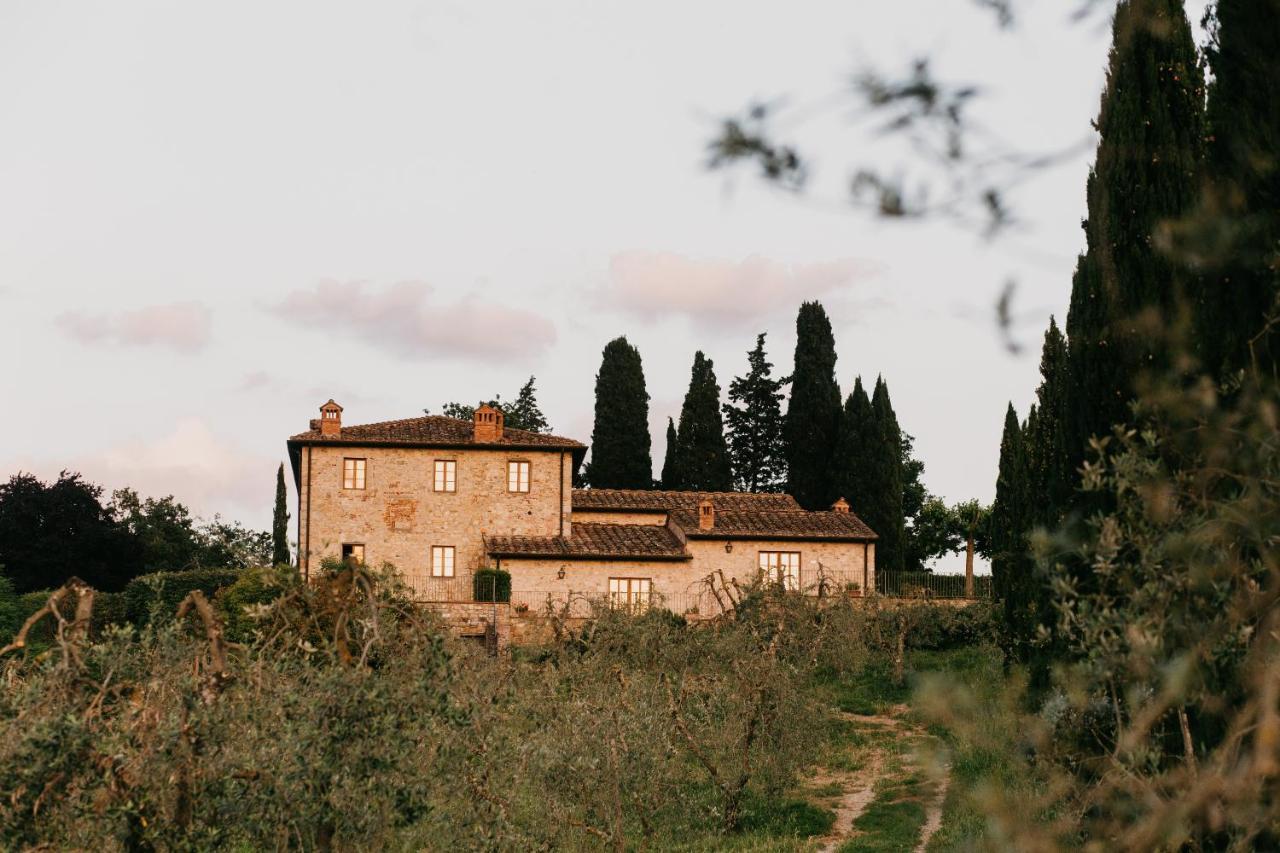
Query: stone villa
(440, 498)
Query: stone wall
(398, 517)
(680, 583)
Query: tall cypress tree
(1243, 165)
(1150, 129)
(280, 523)
(702, 460)
(754, 425)
(882, 508)
(670, 463)
(1010, 566)
(850, 469)
(620, 439)
(812, 424)
(1047, 459)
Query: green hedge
(254, 586)
(157, 596)
(948, 626)
(486, 582)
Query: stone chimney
(330, 420)
(706, 515)
(488, 424)
(841, 505)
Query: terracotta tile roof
(432, 431)
(771, 524)
(641, 500)
(594, 541)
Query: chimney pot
(330, 420)
(706, 515)
(841, 505)
(487, 424)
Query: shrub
(491, 585)
(155, 597)
(109, 608)
(10, 610)
(254, 586)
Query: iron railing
(931, 586)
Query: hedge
(158, 595)
(491, 585)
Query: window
(353, 473)
(629, 593)
(442, 561)
(517, 476)
(781, 567)
(446, 479)
(353, 553)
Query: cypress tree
(280, 523)
(883, 508)
(1010, 566)
(1047, 459)
(850, 471)
(1150, 129)
(670, 465)
(1243, 165)
(812, 424)
(754, 425)
(702, 460)
(620, 438)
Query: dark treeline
(50, 532)
(1178, 276)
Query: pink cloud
(406, 321)
(181, 326)
(191, 461)
(718, 293)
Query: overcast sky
(213, 217)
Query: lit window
(629, 593)
(353, 473)
(517, 476)
(353, 553)
(781, 567)
(446, 479)
(442, 561)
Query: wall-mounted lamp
(728, 547)
(560, 574)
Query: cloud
(718, 293)
(191, 461)
(406, 321)
(181, 326)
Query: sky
(216, 216)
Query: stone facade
(398, 516)
(388, 505)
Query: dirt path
(859, 791)
(859, 786)
(933, 817)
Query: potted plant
(854, 589)
(522, 608)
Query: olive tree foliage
(338, 715)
